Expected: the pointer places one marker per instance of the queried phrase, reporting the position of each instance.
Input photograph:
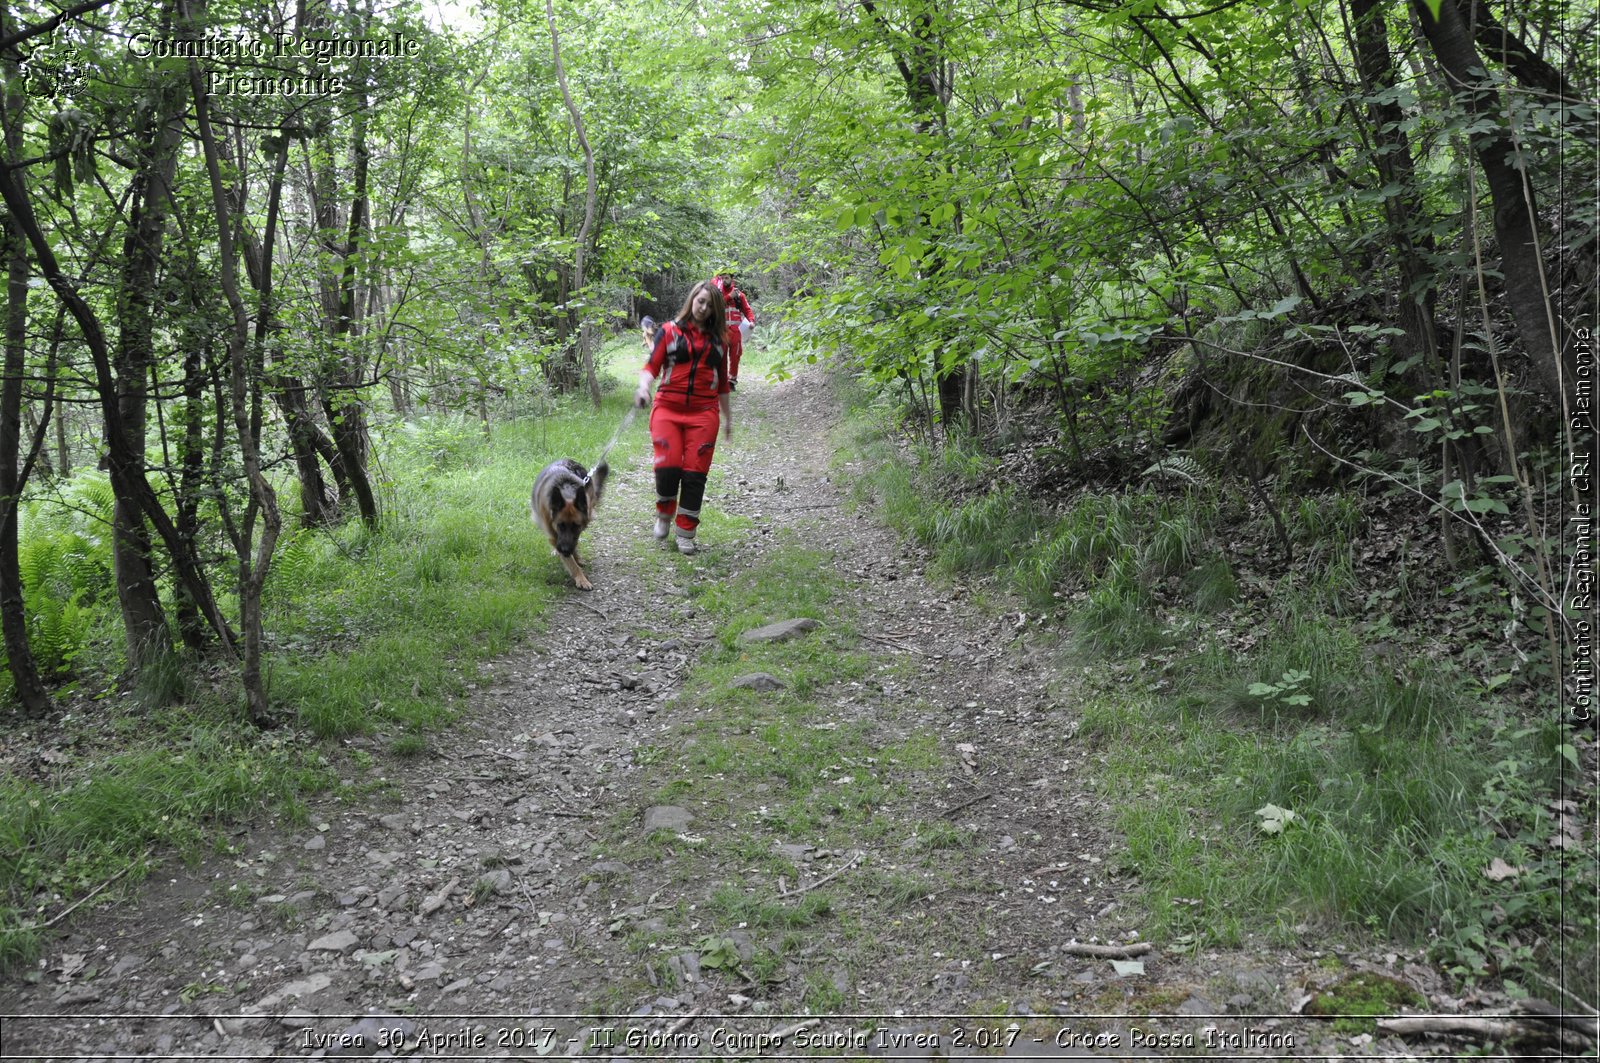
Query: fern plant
(1180, 467)
(64, 553)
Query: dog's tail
(597, 480)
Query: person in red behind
(690, 359)
(740, 322)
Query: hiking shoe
(686, 546)
(663, 525)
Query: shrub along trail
(655, 822)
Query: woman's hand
(641, 398)
(727, 431)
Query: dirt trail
(506, 889)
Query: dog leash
(627, 419)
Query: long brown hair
(717, 328)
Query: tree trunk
(927, 88)
(339, 382)
(1511, 198)
(1391, 157)
(25, 679)
(144, 620)
(585, 353)
(191, 476)
(341, 399)
(245, 379)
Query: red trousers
(735, 349)
(684, 442)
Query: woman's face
(700, 305)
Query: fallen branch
(784, 1032)
(892, 644)
(1544, 1011)
(681, 1023)
(1469, 1025)
(827, 878)
(967, 803)
(81, 901)
(1108, 952)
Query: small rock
(667, 817)
(782, 630)
(80, 994)
(338, 941)
(498, 881)
(316, 842)
(305, 987)
(759, 681)
(297, 1019)
(124, 965)
(685, 966)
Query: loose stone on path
(667, 817)
(781, 631)
(759, 681)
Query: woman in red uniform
(690, 358)
(740, 321)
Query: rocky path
(560, 875)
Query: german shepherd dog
(648, 329)
(565, 495)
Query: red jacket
(689, 365)
(738, 306)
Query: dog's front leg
(576, 572)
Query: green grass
(189, 771)
(367, 631)
(1404, 784)
(377, 629)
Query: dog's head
(570, 506)
(648, 329)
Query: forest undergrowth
(1338, 735)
